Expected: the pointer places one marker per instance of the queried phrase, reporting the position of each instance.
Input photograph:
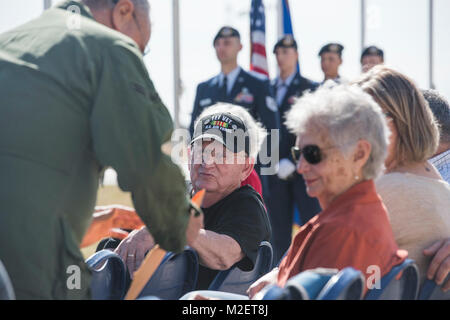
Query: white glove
(285, 169)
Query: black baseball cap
(332, 47)
(225, 128)
(226, 32)
(287, 41)
(372, 51)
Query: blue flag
(287, 23)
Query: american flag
(258, 57)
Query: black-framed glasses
(312, 153)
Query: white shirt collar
(231, 78)
(288, 80)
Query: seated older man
(222, 154)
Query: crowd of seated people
(381, 200)
(374, 152)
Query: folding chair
(234, 280)
(175, 276)
(109, 275)
(348, 284)
(431, 291)
(304, 286)
(406, 288)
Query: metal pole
(176, 61)
(280, 19)
(363, 24)
(430, 52)
(47, 4)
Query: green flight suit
(75, 97)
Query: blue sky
(400, 27)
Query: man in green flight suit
(76, 98)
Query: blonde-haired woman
(416, 196)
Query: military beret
(372, 51)
(332, 47)
(287, 41)
(226, 32)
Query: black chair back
(406, 288)
(175, 276)
(109, 276)
(235, 280)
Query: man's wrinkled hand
(133, 248)
(439, 268)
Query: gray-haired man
(223, 151)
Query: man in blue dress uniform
(288, 187)
(330, 61)
(234, 85)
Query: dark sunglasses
(311, 153)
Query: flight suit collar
(84, 10)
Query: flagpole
(363, 24)
(176, 61)
(47, 4)
(430, 38)
(280, 28)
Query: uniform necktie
(224, 89)
(280, 92)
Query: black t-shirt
(242, 216)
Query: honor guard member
(287, 188)
(234, 85)
(330, 61)
(370, 57)
(76, 98)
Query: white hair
(256, 131)
(344, 114)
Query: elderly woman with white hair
(341, 146)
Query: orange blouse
(354, 231)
